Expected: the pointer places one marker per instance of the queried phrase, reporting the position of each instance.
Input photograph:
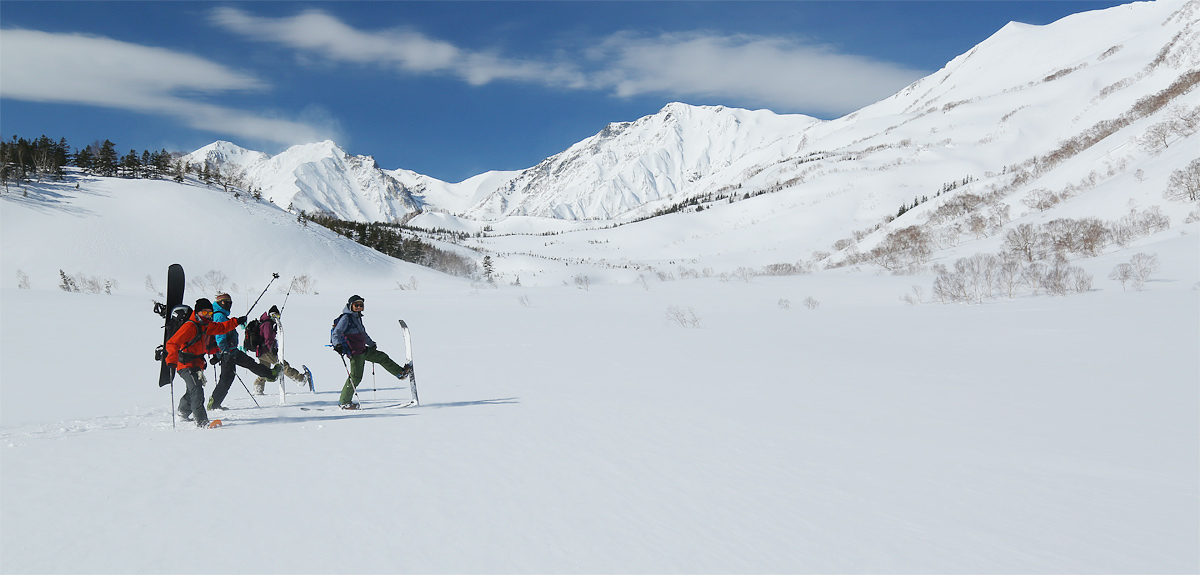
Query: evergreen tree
(130, 166)
(487, 268)
(106, 159)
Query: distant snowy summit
(318, 178)
(1016, 95)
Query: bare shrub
(641, 280)
(1022, 241)
(1184, 183)
(584, 282)
(1041, 199)
(525, 301)
(216, 280)
(22, 280)
(411, 285)
(1143, 266)
(811, 303)
(1123, 273)
(305, 284)
(682, 318)
(785, 304)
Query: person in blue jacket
(230, 356)
(350, 339)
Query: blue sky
(453, 89)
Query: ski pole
(172, 403)
(373, 394)
(274, 276)
(349, 378)
(286, 296)
(247, 391)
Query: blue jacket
(350, 333)
(229, 340)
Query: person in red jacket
(185, 351)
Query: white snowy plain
(572, 430)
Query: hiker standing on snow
(267, 348)
(186, 349)
(349, 338)
(231, 357)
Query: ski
(409, 403)
(175, 284)
(412, 372)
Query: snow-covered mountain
(319, 177)
(1012, 100)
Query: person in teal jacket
(230, 356)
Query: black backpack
(254, 338)
(178, 316)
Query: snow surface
(569, 424)
(565, 429)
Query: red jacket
(199, 345)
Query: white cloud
(316, 32)
(97, 71)
(774, 72)
(780, 73)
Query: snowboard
(408, 358)
(175, 284)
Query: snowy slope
(124, 230)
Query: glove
(215, 359)
(242, 320)
(340, 349)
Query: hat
(353, 299)
(273, 311)
(203, 304)
(222, 296)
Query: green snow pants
(358, 363)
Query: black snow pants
(229, 362)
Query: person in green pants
(350, 339)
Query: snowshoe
(350, 406)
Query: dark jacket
(350, 333)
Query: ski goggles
(206, 314)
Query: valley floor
(564, 430)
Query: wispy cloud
(774, 72)
(98, 71)
(318, 33)
(781, 73)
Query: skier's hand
(242, 320)
(338, 348)
(215, 359)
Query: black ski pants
(229, 362)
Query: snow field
(585, 432)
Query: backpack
(333, 343)
(254, 338)
(178, 316)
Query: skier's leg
(257, 368)
(356, 372)
(268, 359)
(228, 370)
(194, 378)
(382, 359)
